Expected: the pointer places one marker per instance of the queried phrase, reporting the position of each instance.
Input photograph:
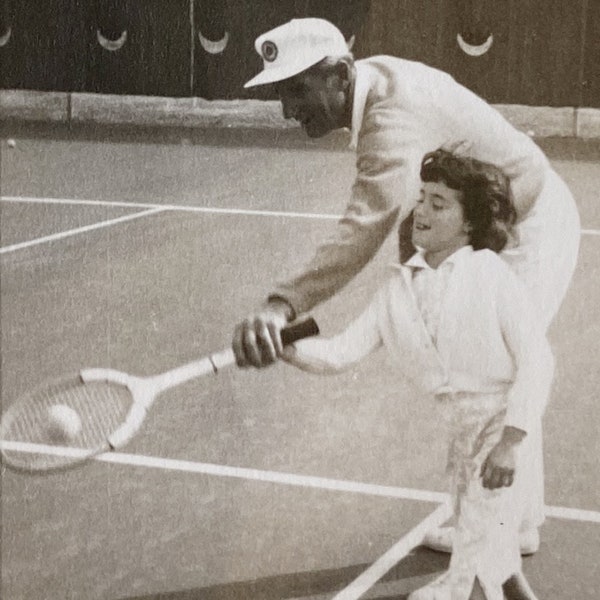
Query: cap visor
(274, 74)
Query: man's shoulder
(403, 85)
(490, 263)
(385, 62)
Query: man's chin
(315, 131)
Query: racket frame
(143, 391)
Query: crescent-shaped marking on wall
(111, 45)
(473, 50)
(214, 47)
(5, 37)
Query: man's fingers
(264, 342)
(251, 349)
(275, 335)
(257, 340)
(238, 345)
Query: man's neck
(350, 97)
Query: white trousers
(486, 540)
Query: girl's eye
(437, 206)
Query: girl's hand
(289, 354)
(498, 469)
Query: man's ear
(343, 69)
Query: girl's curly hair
(486, 197)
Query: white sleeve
(332, 355)
(529, 347)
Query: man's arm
(385, 190)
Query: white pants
(545, 260)
(486, 540)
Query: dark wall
(541, 52)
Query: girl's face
(439, 225)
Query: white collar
(361, 91)
(417, 260)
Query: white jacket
(402, 110)
(489, 339)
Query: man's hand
(257, 339)
(498, 469)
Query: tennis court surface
(139, 250)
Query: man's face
(317, 98)
(438, 220)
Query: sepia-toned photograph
(299, 300)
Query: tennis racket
(66, 422)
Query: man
(397, 111)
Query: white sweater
(488, 338)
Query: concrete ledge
(588, 123)
(34, 106)
(176, 112)
(537, 121)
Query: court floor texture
(139, 250)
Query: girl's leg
(515, 588)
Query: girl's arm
(332, 355)
(527, 342)
(529, 393)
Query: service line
(196, 209)
(70, 232)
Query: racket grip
(303, 329)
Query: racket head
(34, 440)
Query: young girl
(461, 327)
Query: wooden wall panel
(222, 74)
(138, 47)
(591, 55)
(41, 44)
(543, 52)
(534, 58)
(545, 40)
(404, 28)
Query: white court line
(367, 579)
(379, 568)
(572, 514)
(169, 464)
(198, 209)
(324, 483)
(64, 234)
(174, 207)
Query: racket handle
(303, 329)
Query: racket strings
(97, 410)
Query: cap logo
(269, 51)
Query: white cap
(294, 47)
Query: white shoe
(440, 540)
